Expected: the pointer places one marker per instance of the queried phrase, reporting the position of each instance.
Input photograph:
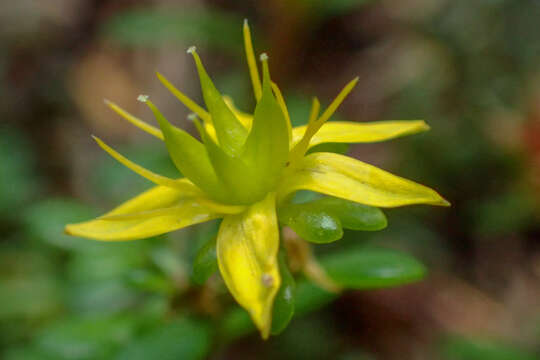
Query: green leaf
(18, 181)
(369, 267)
(236, 323)
(85, 338)
(283, 310)
(457, 348)
(151, 281)
(310, 297)
(353, 215)
(151, 27)
(45, 221)
(186, 339)
(205, 262)
(311, 223)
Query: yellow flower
(245, 168)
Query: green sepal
(189, 156)
(267, 146)
(232, 172)
(284, 301)
(231, 134)
(353, 216)
(311, 223)
(205, 262)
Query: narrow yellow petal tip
(67, 230)
(444, 202)
(424, 126)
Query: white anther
(191, 49)
(263, 56)
(192, 117)
(142, 98)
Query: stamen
(153, 177)
(331, 109)
(314, 113)
(263, 57)
(314, 125)
(191, 49)
(252, 64)
(134, 120)
(190, 104)
(142, 98)
(283, 106)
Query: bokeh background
(471, 69)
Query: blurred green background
(471, 69)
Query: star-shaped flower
(243, 170)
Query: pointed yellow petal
(152, 130)
(252, 64)
(156, 211)
(190, 104)
(247, 247)
(181, 184)
(347, 178)
(355, 132)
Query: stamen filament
(252, 64)
(190, 104)
(281, 103)
(135, 120)
(331, 109)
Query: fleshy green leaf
(310, 297)
(284, 302)
(185, 339)
(86, 338)
(353, 215)
(205, 262)
(366, 268)
(457, 348)
(311, 223)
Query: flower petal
(247, 247)
(355, 132)
(347, 178)
(159, 210)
